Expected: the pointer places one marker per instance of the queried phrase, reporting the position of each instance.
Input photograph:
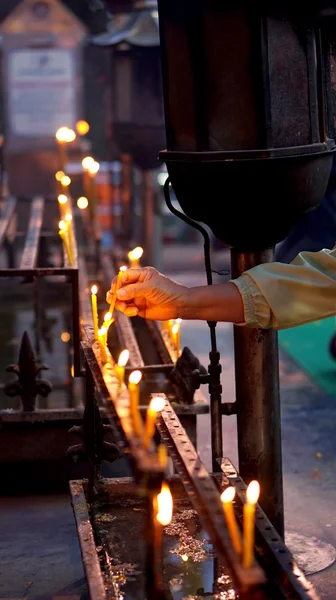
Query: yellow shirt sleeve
(280, 296)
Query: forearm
(221, 302)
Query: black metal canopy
(249, 112)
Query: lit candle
(176, 335)
(62, 200)
(92, 172)
(58, 177)
(64, 135)
(163, 455)
(82, 203)
(108, 320)
(68, 220)
(94, 291)
(134, 393)
(120, 367)
(227, 498)
(65, 182)
(134, 257)
(82, 127)
(118, 284)
(86, 164)
(64, 237)
(164, 505)
(252, 496)
(102, 344)
(155, 406)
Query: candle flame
(87, 162)
(65, 180)
(185, 557)
(62, 225)
(175, 328)
(68, 217)
(94, 289)
(123, 268)
(178, 321)
(165, 505)
(62, 199)
(59, 175)
(135, 377)
(228, 494)
(94, 167)
(64, 134)
(157, 404)
(102, 330)
(82, 127)
(82, 202)
(123, 359)
(252, 492)
(136, 253)
(107, 316)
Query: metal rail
(6, 217)
(31, 247)
(275, 556)
(204, 495)
(146, 467)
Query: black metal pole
(258, 402)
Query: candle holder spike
(28, 385)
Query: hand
(148, 293)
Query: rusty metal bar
(87, 544)
(6, 216)
(146, 467)
(31, 247)
(204, 495)
(124, 328)
(75, 322)
(258, 402)
(37, 272)
(275, 555)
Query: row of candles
(243, 547)
(90, 168)
(163, 502)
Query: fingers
(128, 309)
(133, 276)
(134, 290)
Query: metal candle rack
(275, 568)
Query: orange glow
(157, 404)
(59, 175)
(62, 199)
(136, 253)
(123, 360)
(87, 162)
(165, 505)
(62, 225)
(228, 494)
(82, 127)
(135, 377)
(65, 180)
(65, 336)
(82, 202)
(175, 328)
(252, 492)
(123, 268)
(64, 134)
(68, 217)
(94, 167)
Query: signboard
(42, 44)
(41, 91)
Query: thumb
(134, 290)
